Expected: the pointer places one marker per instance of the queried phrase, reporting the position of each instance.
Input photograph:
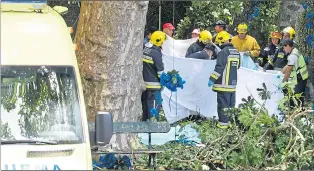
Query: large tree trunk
(110, 40)
(301, 33)
(289, 13)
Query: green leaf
(246, 117)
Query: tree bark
(110, 40)
(289, 13)
(301, 33)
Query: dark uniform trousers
(149, 101)
(225, 100)
(152, 69)
(299, 88)
(225, 80)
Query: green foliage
(6, 132)
(203, 14)
(256, 141)
(266, 22)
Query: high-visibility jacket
(152, 67)
(301, 70)
(225, 74)
(249, 43)
(279, 60)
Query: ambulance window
(40, 103)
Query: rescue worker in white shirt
(295, 71)
(279, 60)
(224, 77)
(268, 52)
(152, 69)
(207, 53)
(204, 38)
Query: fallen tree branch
(296, 130)
(278, 167)
(290, 140)
(295, 141)
(263, 135)
(308, 151)
(295, 114)
(280, 128)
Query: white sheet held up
(196, 95)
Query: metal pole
(173, 10)
(159, 15)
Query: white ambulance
(43, 118)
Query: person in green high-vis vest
(295, 71)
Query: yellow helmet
(242, 28)
(157, 38)
(222, 37)
(290, 31)
(205, 37)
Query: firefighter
(219, 26)
(295, 71)
(152, 69)
(224, 77)
(279, 60)
(148, 34)
(268, 52)
(246, 43)
(204, 38)
(207, 53)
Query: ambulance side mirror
(100, 132)
(61, 10)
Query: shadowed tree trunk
(110, 40)
(301, 33)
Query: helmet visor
(241, 30)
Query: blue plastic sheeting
(110, 161)
(162, 138)
(247, 62)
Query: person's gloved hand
(210, 83)
(248, 53)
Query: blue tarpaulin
(247, 62)
(161, 138)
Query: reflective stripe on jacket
(225, 74)
(302, 69)
(267, 54)
(152, 67)
(279, 60)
